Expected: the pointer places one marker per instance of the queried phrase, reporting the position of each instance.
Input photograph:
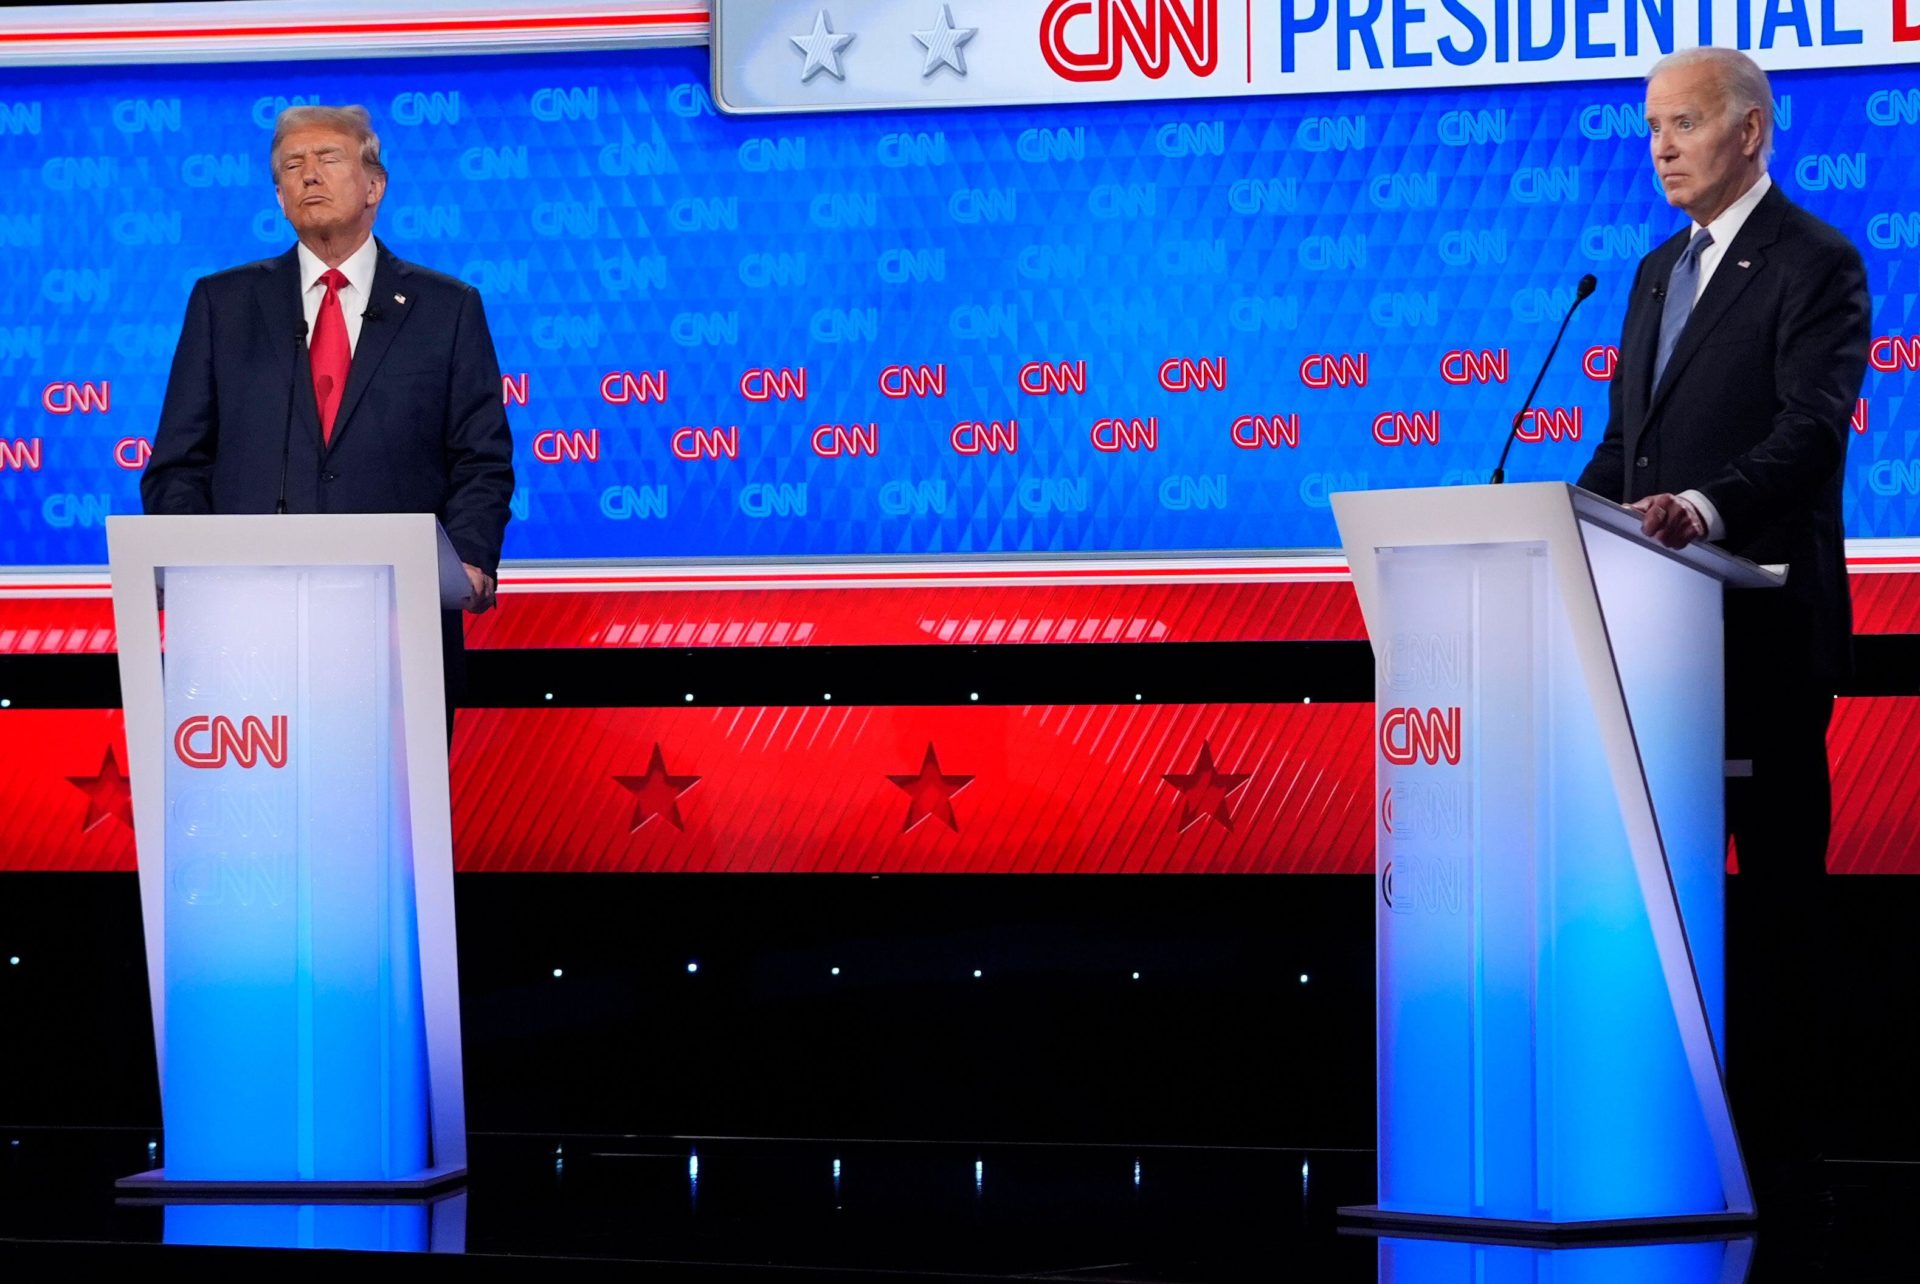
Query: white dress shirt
(1724, 229)
(354, 295)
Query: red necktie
(330, 353)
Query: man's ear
(1750, 141)
(377, 192)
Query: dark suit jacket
(1753, 410)
(420, 428)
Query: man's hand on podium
(1669, 519)
(483, 586)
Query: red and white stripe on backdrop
(1110, 788)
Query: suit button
(329, 476)
(1638, 463)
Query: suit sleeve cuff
(1709, 515)
(473, 556)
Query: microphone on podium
(293, 390)
(1586, 287)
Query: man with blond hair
(1742, 356)
(337, 378)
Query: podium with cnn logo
(1551, 847)
(286, 744)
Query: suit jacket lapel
(1642, 338)
(376, 336)
(1730, 280)
(278, 298)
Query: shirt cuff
(1703, 509)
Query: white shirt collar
(1734, 217)
(358, 269)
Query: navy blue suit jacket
(1754, 411)
(420, 428)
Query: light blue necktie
(1682, 284)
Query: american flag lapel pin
(1745, 263)
(401, 299)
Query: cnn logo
(1409, 735)
(207, 741)
(1151, 32)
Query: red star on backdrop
(108, 793)
(1206, 791)
(930, 793)
(656, 793)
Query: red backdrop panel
(1885, 603)
(56, 625)
(1036, 789)
(63, 791)
(1876, 791)
(1105, 788)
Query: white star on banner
(943, 43)
(822, 48)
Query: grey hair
(1743, 85)
(354, 121)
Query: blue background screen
(618, 226)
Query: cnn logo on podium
(1432, 736)
(211, 741)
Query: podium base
(1372, 1217)
(156, 1182)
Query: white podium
(288, 760)
(1549, 913)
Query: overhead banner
(832, 55)
(91, 35)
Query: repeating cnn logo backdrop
(1104, 327)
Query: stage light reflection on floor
(892, 1210)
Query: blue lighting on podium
(289, 1004)
(391, 1228)
(1438, 1261)
(436, 1225)
(1550, 846)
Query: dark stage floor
(707, 1208)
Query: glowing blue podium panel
(428, 1225)
(1437, 1261)
(298, 894)
(293, 972)
(1551, 844)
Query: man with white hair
(1740, 363)
(337, 378)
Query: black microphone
(1587, 284)
(372, 313)
(293, 391)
